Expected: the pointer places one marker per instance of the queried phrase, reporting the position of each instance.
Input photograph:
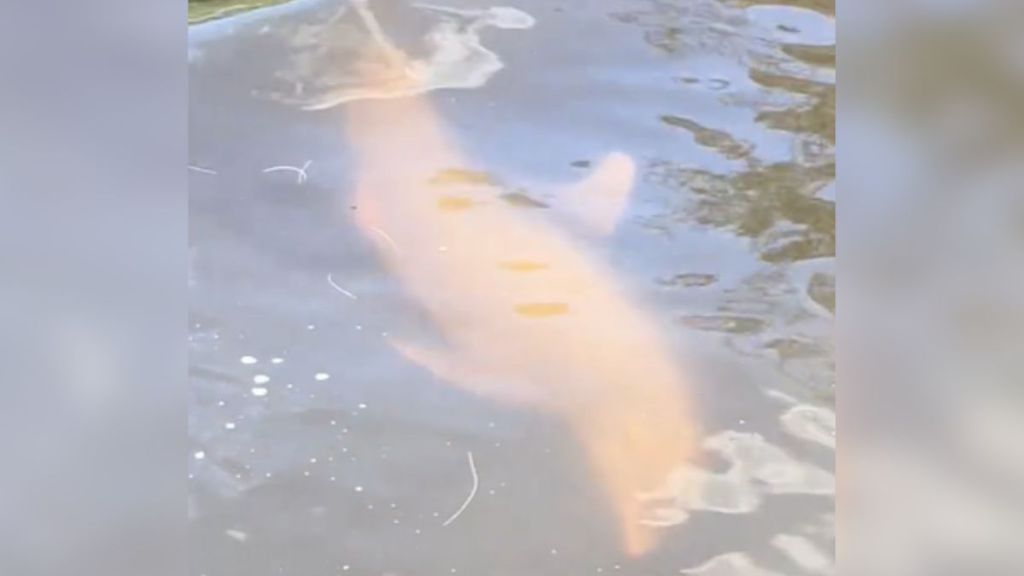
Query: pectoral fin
(600, 199)
(463, 373)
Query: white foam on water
(260, 379)
(756, 468)
(691, 488)
(811, 423)
(455, 58)
(248, 360)
(729, 564)
(321, 376)
(259, 391)
(795, 24)
(804, 553)
(779, 472)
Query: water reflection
(775, 206)
(784, 207)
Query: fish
(528, 315)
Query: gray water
(317, 450)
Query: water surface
(316, 449)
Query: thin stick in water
(340, 289)
(472, 492)
(386, 238)
(300, 172)
(201, 170)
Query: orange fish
(528, 316)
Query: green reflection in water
(718, 140)
(773, 204)
(203, 10)
(817, 118)
(776, 204)
(827, 7)
(783, 88)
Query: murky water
(317, 449)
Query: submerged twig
(340, 289)
(201, 169)
(301, 175)
(386, 238)
(472, 492)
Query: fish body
(528, 315)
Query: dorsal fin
(599, 200)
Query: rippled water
(316, 449)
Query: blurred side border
(931, 276)
(92, 311)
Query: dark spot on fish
(458, 176)
(522, 200)
(542, 309)
(581, 164)
(787, 28)
(455, 203)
